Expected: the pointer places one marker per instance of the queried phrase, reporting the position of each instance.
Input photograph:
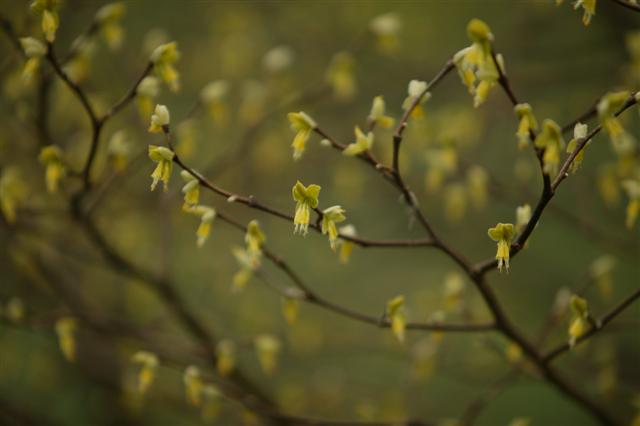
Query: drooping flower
(478, 186)
(306, 198)
(526, 125)
(377, 115)
(331, 216)
(226, 357)
(254, 237)
(623, 143)
(213, 97)
(34, 50)
(267, 349)
(550, 139)
(13, 192)
(340, 76)
(417, 93)
(580, 319)
(164, 159)
(51, 157)
(212, 402)
(632, 188)
(207, 215)
(66, 330)
(454, 287)
(579, 133)
(160, 120)
(589, 7)
(601, 271)
(146, 92)
(523, 216)
(148, 364)
(303, 125)
(108, 19)
(397, 315)
(386, 28)
(249, 262)
(362, 144)
(164, 57)
(191, 190)
(119, 150)
(193, 385)
(291, 305)
(278, 59)
(475, 64)
(346, 246)
(502, 233)
(50, 21)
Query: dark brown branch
(397, 135)
(628, 5)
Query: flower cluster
(475, 63)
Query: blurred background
(329, 59)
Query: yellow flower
(303, 125)
(163, 59)
(254, 238)
(340, 76)
(306, 198)
(362, 144)
(527, 124)
(632, 188)
(160, 120)
(580, 315)
(377, 115)
(164, 159)
(416, 90)
(213, 97)
(454, 287)
(13, 192)
(212, 405)
(51, 158)
(207, 215)
(119, 150)
(33, 48)
(331, 216)
(146, 92)
(579, 133)
(346, 247)
(396, 314)
(550, 139)
(108, 18)
(226, 357)
(66, 331)
(148, 365)
(48, 10)
(14, 311)
(291, 305)
(248, 262)
(502, 233)
(523, 216)
(623, 142)
(386, 28)
(267, 349)
(475, 65)
(193, 384)
(589, 7)
(478, 186)
(191, 191)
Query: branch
(628, 5)
(595, 328)
(547, 195)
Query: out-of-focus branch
(629, 5)
(595, 328)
